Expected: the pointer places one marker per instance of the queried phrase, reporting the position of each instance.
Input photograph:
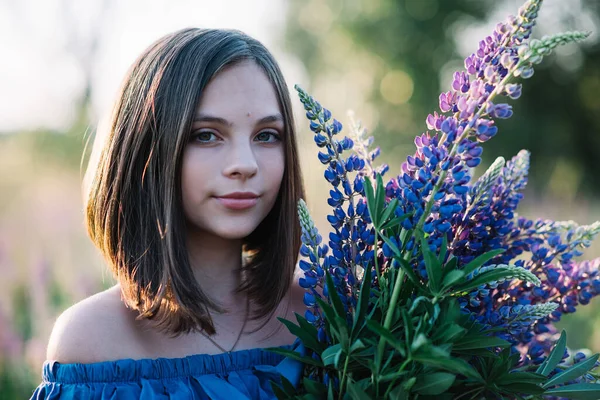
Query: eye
(203, 137)
(268, 137)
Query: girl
(193, 205)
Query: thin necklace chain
(239, 335)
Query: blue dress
(242, 374)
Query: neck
(216, 264)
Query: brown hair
(134, 207)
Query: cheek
(192, 179)
(274, 165)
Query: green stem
(375, 256)
(465, 394)
(389, 389)
(344, 376)
(397, 285)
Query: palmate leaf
(436, 357)
(523, 388)
(472, 342)
(295, 355)
(432, 384)
(284, 391)
(356, 392)
(380, 330)
(577, 391)
(306, 332)
(318, 389)
(575, 371)
(520, 377)
(452, 277)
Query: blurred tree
(396, 56)
(82, 31)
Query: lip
(239, 195)
(238, 200)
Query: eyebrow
(222, 121)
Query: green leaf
(432, 265)
(317, 388)
(432, 384)
(407, 269)
(386, 334)
(371, 203)
(362, 304)
(435, 357)
(523, 387)
(296, 356)
(420, 340)
(389, 210)
(395, 221)
(471, 342)
(520, 377)
(307, 326)
(279, 392)
(379, 198)
(577, 391)
(573, 372)
(393, 246)
(342, 327)
(287, 385)
(481, 260)
(329, 317)
(357, 346)
(443, 249)
(452, 277)
(308, 338)
(555, 356)
(331, 355)
(338, 307)
(391, 376)
(330, 392)
(356, 392)
(448, 333)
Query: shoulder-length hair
(134, 206)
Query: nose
(241, 162)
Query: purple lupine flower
(314, 269)
(353, 236)
(433, 188)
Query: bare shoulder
(85, 332)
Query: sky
(44, 47)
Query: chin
(234, 232)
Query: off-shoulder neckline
(129, 369)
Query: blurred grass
(46, 260)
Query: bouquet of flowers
(431, 285)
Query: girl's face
(235, 147)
